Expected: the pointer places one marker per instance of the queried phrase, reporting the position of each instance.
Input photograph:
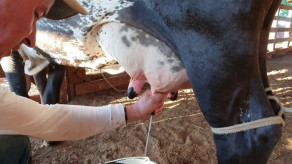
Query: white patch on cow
(142, 55)
(74, 52)
(60, 46)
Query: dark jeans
(14, 149)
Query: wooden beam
(286, 7)
(279, 40)
(282, 19)
(278, 52)
(70, 82)
(281, 29)
(98, 85)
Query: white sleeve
(19, 115)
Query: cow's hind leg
(55, 78)
(41, 82)
(50, 88)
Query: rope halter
(274, 120)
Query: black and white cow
(221, 46)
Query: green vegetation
(286, 3)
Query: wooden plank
(277, 24)
(98, 85)
(279, 18)
(286, 7)
(70, 82)
(279, 52)
(64, 92)
(81, 75)
(281, 29)
(278, 40)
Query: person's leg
(14, 149)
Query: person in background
(21, 117)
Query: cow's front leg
(55, 78)
(13, 68)
(50, 88)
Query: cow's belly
(69, 51)
(143, 56)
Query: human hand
(147, 104)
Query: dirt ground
(180, 135)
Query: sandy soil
(179, 136)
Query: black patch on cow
(140, 15)
(126, 41)
(147, 40)
(176, 68)
(109, 13)
(170, 60)
(144, 39)
(160, 62)
(133, 39)
(125, 28)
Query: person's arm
(19, 115)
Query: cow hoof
(50, 143)
(131, 93)
(172, 96)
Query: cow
(142, 67)
(220, 45)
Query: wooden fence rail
(280, 35)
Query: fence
(280, 34)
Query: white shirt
(20, 115)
